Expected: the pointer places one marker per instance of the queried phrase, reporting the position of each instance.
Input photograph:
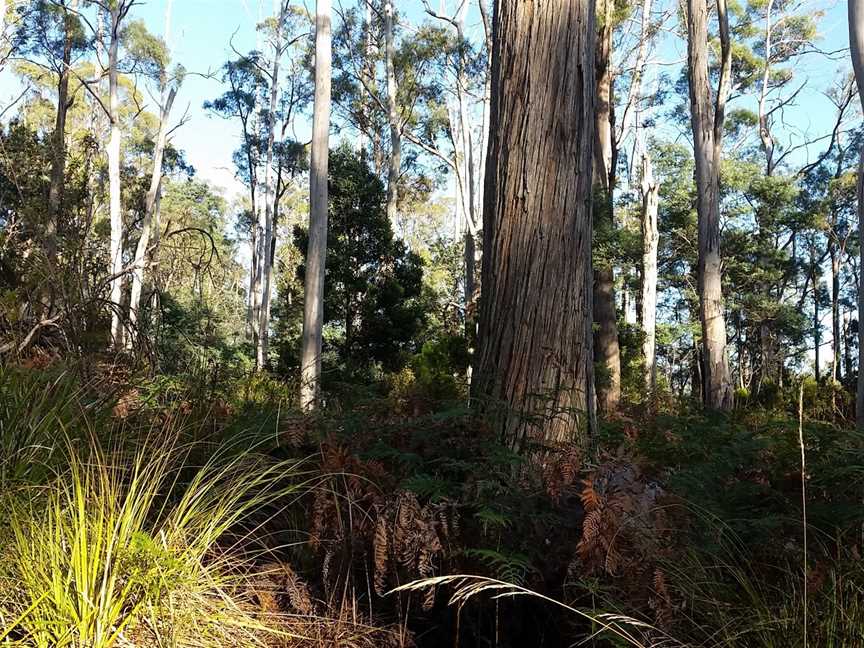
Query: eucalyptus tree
(707, 116)
(534, 354)
(607, 352)
(316, 255)
(52, 36)
(243, 100)
(168, 83)
(265, 224)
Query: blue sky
(201, 33)
(202, 30)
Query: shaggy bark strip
(535, 349)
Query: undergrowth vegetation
(144, 512)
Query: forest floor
(206, 511)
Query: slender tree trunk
(817, 333)
(251, 315)
(469, 176)
(534, 340)
(257, 256)
(392, 116)
(707, 123)
(606, 350)
(484, 129)
(58, 162)
(835, 312)
(150, 203)
(262, 349)
(368, 53)
(313, 305)
(650, 242)
(847, 345)
(116, 215)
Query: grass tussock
(137, 548)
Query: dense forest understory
(206, 509)
(514, 323)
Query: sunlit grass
(119, 546)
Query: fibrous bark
(534, 340)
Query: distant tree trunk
(367, 75)
(817, 333)
(650, 240)
(150, 204)
(534, 339)
(856, 43)
(395, 165)
(606, 350)
(313, 305)
(114, 207)
(835, 255)
(484, 129)
(58, 161)
(707, 123)
(252, 314)
(262, 348)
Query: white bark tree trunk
(116, 215)
(316, 256)
(392, 116)
(269, 200)
(150, 203)
(650, 189)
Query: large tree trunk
(262, 348)
(650, 240)
(313, 305)
(707, 123)
(606, 350)
(395, 165)
(114, 207)
(150, 203)
(58, 161)
(534, 340)
(856, 44)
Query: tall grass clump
(137, 547)
(727, 597)
(37, 409)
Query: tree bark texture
(650, 240)
(395, 164)
(707, 123)
(856, 44)
(534, 365)
(607, 353)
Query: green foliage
(39, 409)
(124, 543)
(373, 284)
